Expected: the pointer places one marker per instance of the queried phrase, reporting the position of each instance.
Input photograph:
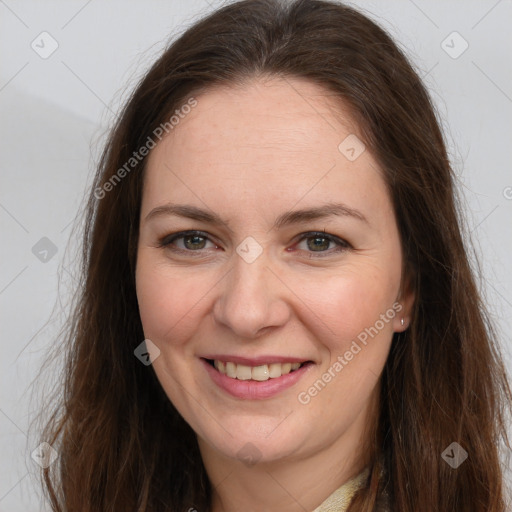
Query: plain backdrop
(55, 109)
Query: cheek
(354, 310)
(353, 301)
(168, 301)
(354, 319)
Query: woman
(275, 216)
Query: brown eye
(191, 241)
(322, 243)
(194, 242)
(318, 243)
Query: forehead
(286, 113)
(268, 139)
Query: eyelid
(320, 234)
(168, 239)
(342, 244)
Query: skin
(249, 154)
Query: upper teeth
(263, 372)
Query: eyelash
(166, 242)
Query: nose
(252, 300)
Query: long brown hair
(122, 444)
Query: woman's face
(294, 258)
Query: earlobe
(406, 298)
(403, 325)
(400, 324)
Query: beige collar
(340, 499)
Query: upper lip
(255, 361)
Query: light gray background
(55, 111)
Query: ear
(406, 298)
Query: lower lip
(253, 389)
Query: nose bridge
(250, 299)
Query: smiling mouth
(258, 373)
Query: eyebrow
(286, 219)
